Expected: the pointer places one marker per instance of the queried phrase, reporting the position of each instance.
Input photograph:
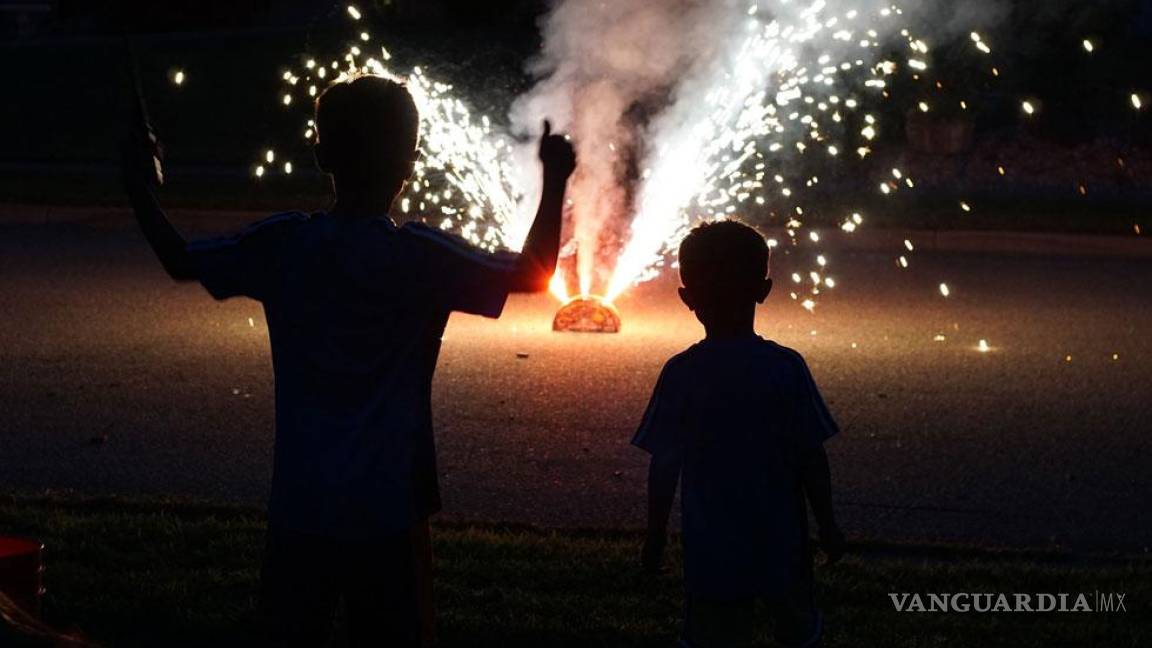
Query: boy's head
(367, 132)
(724, 269)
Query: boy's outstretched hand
(557, 155)
(542, 246)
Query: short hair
(368, 124)
(723, 253)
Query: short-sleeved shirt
(356, 308)
(743, 414)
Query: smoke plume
(661, 98)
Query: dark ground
(1017, 447)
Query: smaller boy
(741, 421)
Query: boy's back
(744, 414)
(355, 309)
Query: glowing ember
(587, 314)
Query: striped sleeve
(463, 277)
(245, 264)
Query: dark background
(67, 95)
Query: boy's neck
(356, 202)
(713, 333)
(737, 326)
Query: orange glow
(559, 286)
(587, 314)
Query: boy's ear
(686, 297)
(763, 291)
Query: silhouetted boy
(356, 307)
(740, 422)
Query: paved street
(1043, 441)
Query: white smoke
(602, 61)
(667, 99)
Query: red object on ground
(22, 572)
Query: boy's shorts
(712, 623)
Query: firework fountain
(682, 111)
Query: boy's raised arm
(166, 241)
(140, 166)
(542, 247)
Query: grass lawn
(150, 572)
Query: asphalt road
(113, 379)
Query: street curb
(204, 221)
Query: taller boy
(356, 307)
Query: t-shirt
(743, 414)
(356, 308)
